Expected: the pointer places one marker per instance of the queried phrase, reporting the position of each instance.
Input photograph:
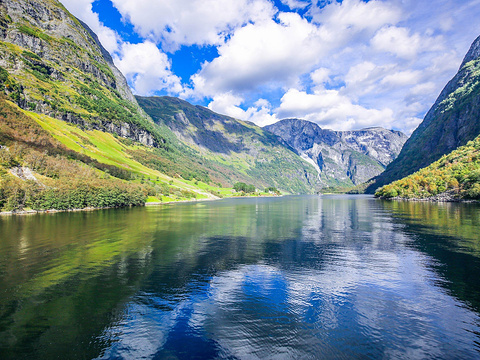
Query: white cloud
(276, 52)
(353, 16)
(330, 109)
(402, 78)
(187, 22)
(295, 4)
(423, 88)
(229, 104)
(365, 78)
(320, 76)
(397, 41)
(147, 69)
(268, 53)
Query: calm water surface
(332, 277)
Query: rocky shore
(447, 196)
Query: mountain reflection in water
(285, 278)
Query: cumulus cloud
(270, 53)
(188, 22)
(402, 78)
(351, 17)
(147, 69)
(276, 52)
(295, 4)
(330, 109)
(229, 104)
(320, 76)
(398, 41)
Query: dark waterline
(332, 277)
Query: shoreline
(440, 198)
(55, 211)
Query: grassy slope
(113, 150)
(64, 156)
(71, 155)
(457, 173)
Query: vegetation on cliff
(38, 172)
(56, 66)
(454, 176)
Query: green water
(295, 277)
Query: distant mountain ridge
(341, 157)
(452, 121)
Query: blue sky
(345, 64)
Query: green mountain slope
(454, 176)
(453, 120)
(56, 76)
(38, 172)
(240, 150)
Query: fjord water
(331, 277)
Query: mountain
(342, 158)
(454, 176)
(59, 68)
(72, 134)
(240, 149)
(452, 121)
(70, 127)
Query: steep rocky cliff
(452, 121)
(246, 152)
(341, 157)
(57, 66)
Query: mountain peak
(473, 53)
(453, 120)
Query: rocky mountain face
(247, 152)
(342, 158)
(58, 67)
(452, 121)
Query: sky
(344, 65)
